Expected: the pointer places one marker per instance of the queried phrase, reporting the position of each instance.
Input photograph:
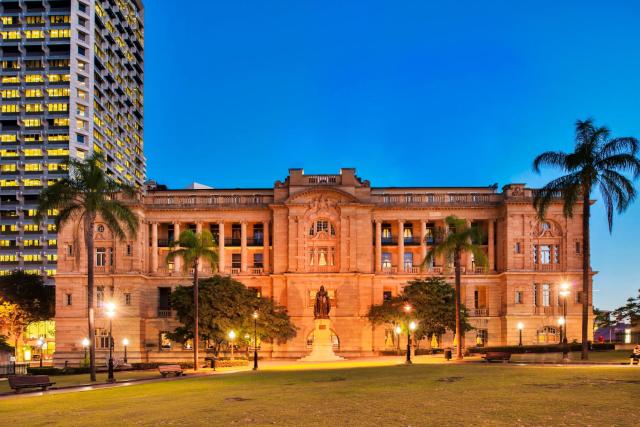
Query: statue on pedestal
(322, 347)
(323, 304)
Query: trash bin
(447, 354)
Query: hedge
(541, 348)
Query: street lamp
(255, 340)
(40, 346)
(520, 328)
(125, 343)
(110, 312)
(85, 344)
(412, 327)
(232, 336)
(564, 294)
(561, 324)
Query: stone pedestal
(322, 349)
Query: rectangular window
(429, 233)
(387, 296)
(102, 338)
(129, 251)
(579, 297)
(408, 261)
(386, 260)
(519, 297)
(236, 261)
(257, 260)
(127, 299)
(258, 233)
(68, 299)
(545, 254)
(535, 295)
(546, 295)
(556, 254)
(578, 248)
(100, 296)
(101, 257)
(69, 250)
(165, 342)
(256, 291)
(164, 298)
(518, 248)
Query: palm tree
(192, 247)
(597, 162)
(452, 243)
(86, 194)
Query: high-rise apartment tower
(71, 84)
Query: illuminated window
(10, 79)
(58, 107)
(56, 92)
(7, 138)
(32, 167)
(10, 108)
(59, 34)
(11, 167)
(81, 124)
(31, 122)
(10, 35)
(60, 19)
(33, 152)
(57, 78)
(33, 93)
(81, 94)
(31, 227)
(81, 110)
(7, 20)
(9, 94)
(61, 122)
(34, 34)
(35, 20)
(33, 108)
(34, 78)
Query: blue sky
(409, 93)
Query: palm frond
(623, 162)
(620, 145)
(550, 158)
(566, 186)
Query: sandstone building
(362, 243)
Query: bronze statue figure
(323, 304)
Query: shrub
(516, 349)
(45, 370)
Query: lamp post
(110, 312)
(520, 328)
(407, 309)
(561, 325)
(85, 344)
(232, 336)
(564, 293)
(412, 327)
(125, 343)
(255, 340)
(40, 346)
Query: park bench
(498, 356)
(18, 382)
(170, 369)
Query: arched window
(322, 226)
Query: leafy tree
(24, 299)
(433, 308)
(225, 305)
(457, 239)
(86, 194)
(4, 345)
(598, 162)
(30, 293)
(192, 247)
(630, 311)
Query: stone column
(469, 255)
(378, 260)
(265, 246)
(221, 266)
(243, 246)
(491, 248)
(154, 247)
(400, 245)
(177, 262)
(423, 243)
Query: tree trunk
(196, 338)
(456, 265)
(88, 236)
(586, 255)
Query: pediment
(321, 198)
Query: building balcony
(389, 241)
(232, 241)
(255, 241)
(479, 312)
(547, 267)
(165, 313)
(412, 241)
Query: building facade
(71, 83)
(361, 242)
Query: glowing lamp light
(232, 335)
(85, 342)
(255, 314)
(564, 289)
(125, 341)
(110, 309)
(407, 307)
(520, 326)
(412, 326)
(561, 321)
(397, 330)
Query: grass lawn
(422, 394)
